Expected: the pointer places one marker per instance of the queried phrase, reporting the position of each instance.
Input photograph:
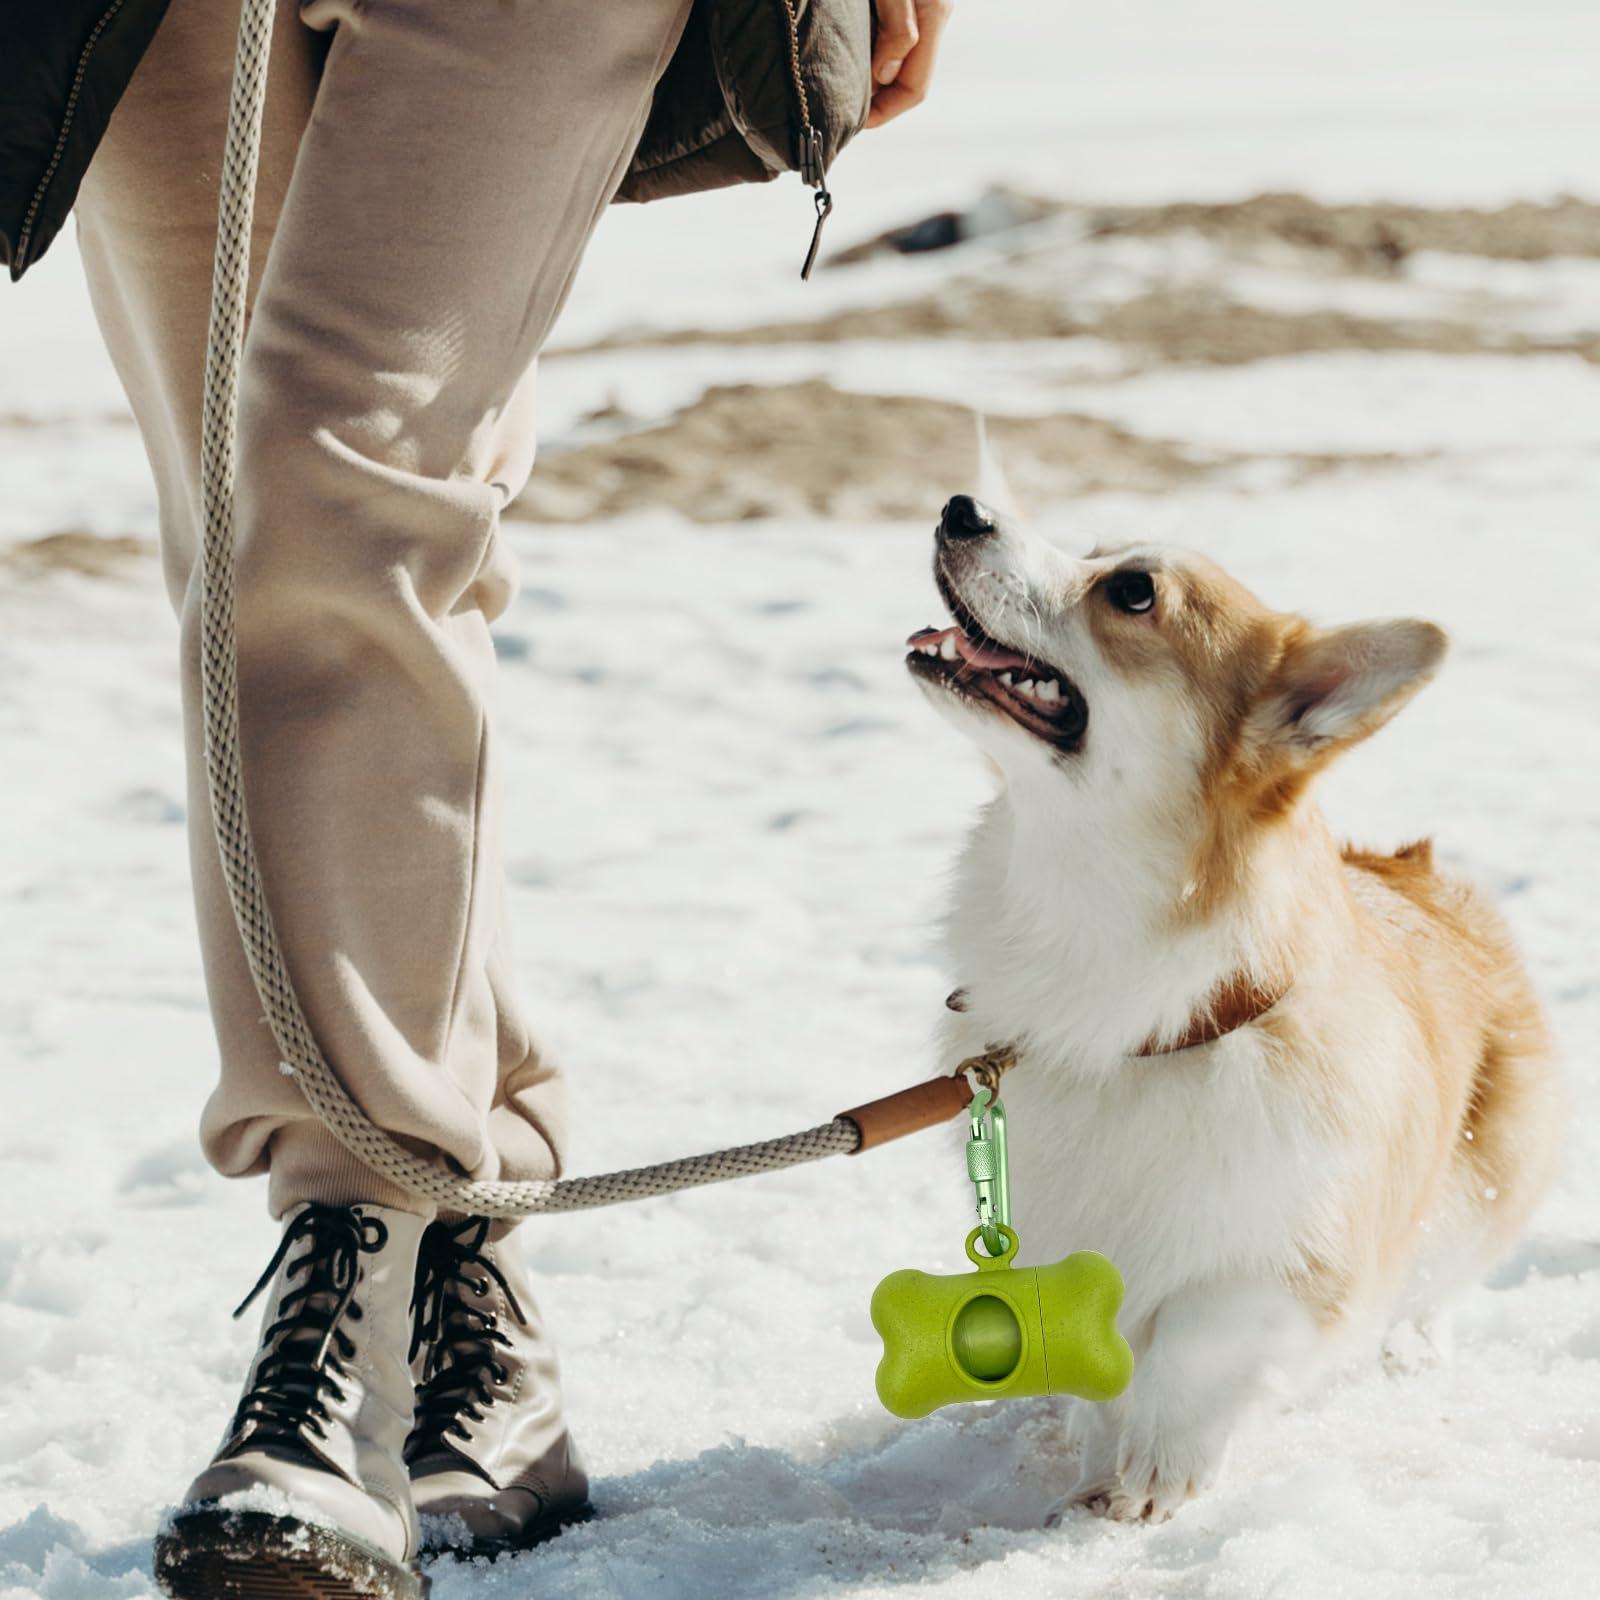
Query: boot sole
(250, 1555)
(541, 1531)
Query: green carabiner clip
(986, 1166)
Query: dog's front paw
(1416, 1346)
(1090, 1436)
(1093, 1498)
(1158, 1474)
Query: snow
(733, 817)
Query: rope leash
(862, 1128)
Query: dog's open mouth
(968, 662)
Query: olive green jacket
(728, 110)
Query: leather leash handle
(923, 1105)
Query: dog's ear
(1334, 687)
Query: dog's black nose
(966, 518)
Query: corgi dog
(1296, 1091)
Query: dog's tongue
(989, 658)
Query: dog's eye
(1131, 591)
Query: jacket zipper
(25, 235)
(811, 168)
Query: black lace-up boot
(492, 1465)
(309, 1494)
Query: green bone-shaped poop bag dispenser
(1001, 1332)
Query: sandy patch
(1176, 325)
(808, 449)
(1186, 321)
(75, 551)
(1372, 238)
(1202, 326)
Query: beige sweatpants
(431, 172)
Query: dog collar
(1233, 1004)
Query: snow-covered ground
(733, 815)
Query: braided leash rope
(301, 1055)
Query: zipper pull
(824, 211)
(815, 177)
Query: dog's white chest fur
(1182, 1168)
(1178, 1167)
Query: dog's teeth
(948, 648)
(1026, 687)
(928, 649)
(1005, 678)
(1050, 690)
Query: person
(430, 175)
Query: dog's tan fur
(1476, 1140)
(1479, 1137)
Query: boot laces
(306, 1343)
(460, 1331)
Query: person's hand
(903, 55)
